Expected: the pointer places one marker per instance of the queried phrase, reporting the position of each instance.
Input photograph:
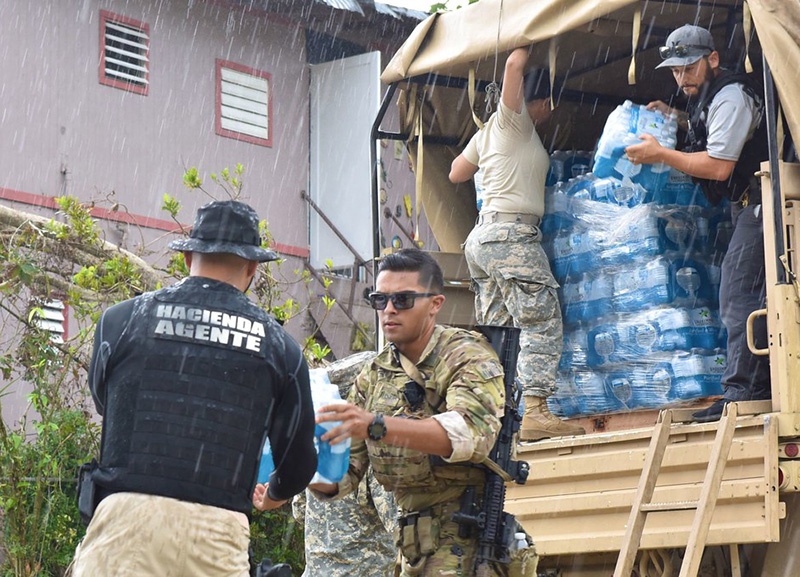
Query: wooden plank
(647, 484)
(708, 496)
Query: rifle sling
(413, 371)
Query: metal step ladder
(704, 507)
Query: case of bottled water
(332, 460)
(624, 126)
(575, 351)
(645, 284)
(641, 385)
(594, 398)
(697, 373)
(566, 401)
(573, 251)
(626, 337)
(680, 189)
(586, 298)
(638, 262)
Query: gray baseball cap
(226, 226)
(685, 46)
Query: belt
(748, 198)
(519, 218)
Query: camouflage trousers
(451, 555)
(513, 285)
(443, 552)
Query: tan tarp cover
(588, 41)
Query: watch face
(377, 429)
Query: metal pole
(774, 169)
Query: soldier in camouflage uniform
(510, 273)
(351, 536)
(422, 414)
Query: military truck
(648, 492)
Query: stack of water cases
(637, 252)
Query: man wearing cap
(190, 381)
(727, 142)
(510, 272)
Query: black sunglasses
(401, 301)
(683, 50)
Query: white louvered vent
(126, 48)
(244, 104)
(49, 316)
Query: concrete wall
(63, 132)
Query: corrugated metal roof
(399, 12)
(351, 5)
(356, 6)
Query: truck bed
(580, 491)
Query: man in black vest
(190, 381)
(727, 142)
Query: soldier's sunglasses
(683, 50)
(401, 301)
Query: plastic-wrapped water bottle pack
(637, 253)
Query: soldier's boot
(539, 423)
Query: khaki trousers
(136, 535)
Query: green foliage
(81, 224)
(277, 536)
(40, 454)
(447, 6)
(39, 461)
(315, 352)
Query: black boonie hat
(226, 226)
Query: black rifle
(496, 528)
(267, 569)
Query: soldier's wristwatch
(377, 428)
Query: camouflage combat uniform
(352, 536)
(510, 272)
(513, 285)
(463, 376)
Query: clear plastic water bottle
(587, 298)
(557, 173)
(333, 460)
(646, 283)
(574, 252)
(705, 328)
(265, 466)
(478, 180)
(604, 345)
(520, 541)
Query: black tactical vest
(189, 390)
(753, 152)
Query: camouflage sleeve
(475, 389)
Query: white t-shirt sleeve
(732, 118)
